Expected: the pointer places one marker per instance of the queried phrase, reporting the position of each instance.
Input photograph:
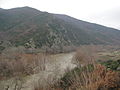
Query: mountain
(28, 26)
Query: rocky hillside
(33, 28)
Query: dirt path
(55, 68)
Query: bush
(84, 56)
(110, 64)
(71, 76)
(21, 64)
(97, 79)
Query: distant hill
(28, 26)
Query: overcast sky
(104, 12)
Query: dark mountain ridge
(28, 26)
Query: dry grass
(84, 79)
(98, 79)
(85, 55)
(95, 77)
(22, 64)
(101, 79)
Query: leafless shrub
(14, 62)
(85, 55)
(39, 62)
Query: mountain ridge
(26, 25)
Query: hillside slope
(25, 26)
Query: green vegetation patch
(110, 64)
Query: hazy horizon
(103, 12)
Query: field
(77, 70)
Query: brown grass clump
(98, 79)
(111, 80)
(22, 64)
(85, 55)
(104, 80)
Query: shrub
(70, 77)
(97, 79)
(84, 56)
(113, 65)
(21, 64)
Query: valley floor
(55, 67)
